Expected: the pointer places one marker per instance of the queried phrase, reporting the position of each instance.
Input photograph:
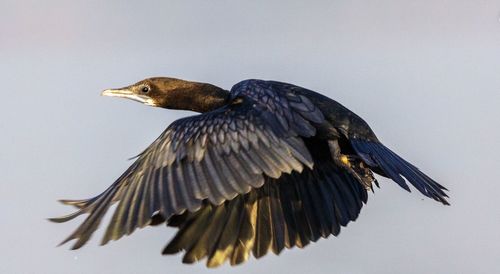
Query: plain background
(424, 74)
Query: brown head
(173, 93)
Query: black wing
(213, 156)
(294, 210)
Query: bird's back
(337, 115)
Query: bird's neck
(198, 97)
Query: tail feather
(377, 155)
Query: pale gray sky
(424, 74)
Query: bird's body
(267, 165)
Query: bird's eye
(145, 89)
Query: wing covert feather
(214, 156)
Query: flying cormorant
(266, 165)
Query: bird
(265, 166)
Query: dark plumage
(266, 166)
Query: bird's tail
(376, 155)
(294, 210)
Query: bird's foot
(352, 164)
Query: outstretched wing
(294, 210)
(213, 156)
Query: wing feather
(285, 212)
(215, 156)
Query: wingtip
(104, 241)
(212, 264)
(76, 246)
(53, 220)
(66, 218)
(69, 238)
(61, 244)
(58, 220)
(76, 203)
(169, 250)
(108, 237)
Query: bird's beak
(126, 93)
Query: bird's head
(172, 93)
(150, 91)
